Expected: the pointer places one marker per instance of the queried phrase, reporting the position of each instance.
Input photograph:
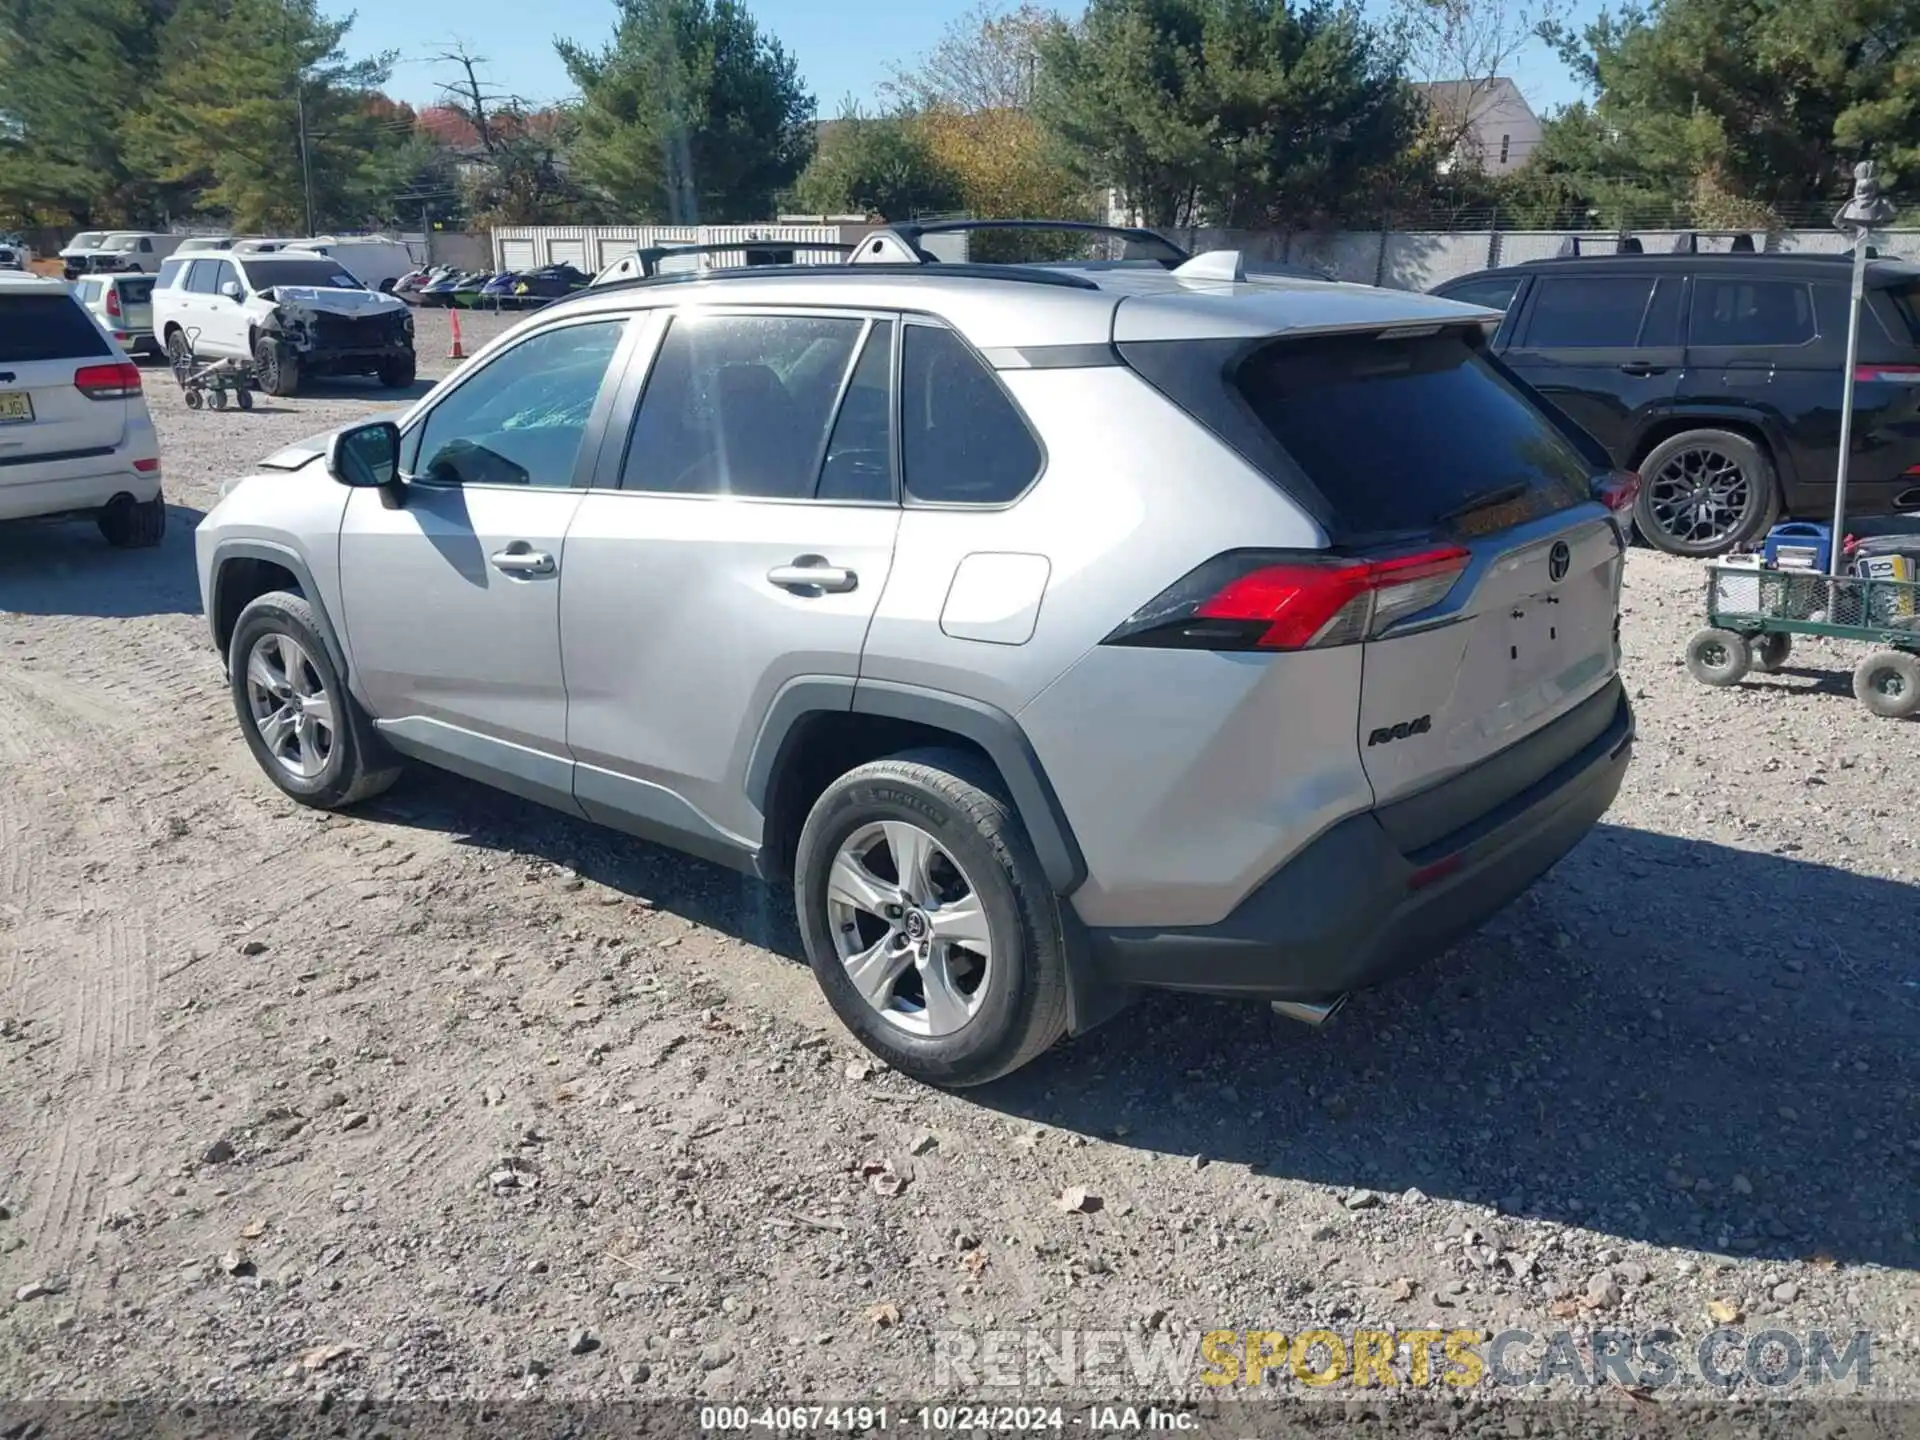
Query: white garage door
(568, 252)
(516, 255)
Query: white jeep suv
(75, 436)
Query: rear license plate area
(16, 409)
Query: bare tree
(988, 58)
(1460, 50)
(471, 99)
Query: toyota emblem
(1559, 561)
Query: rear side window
(88, 292)
(46, 327)
(1906, 303)
(169, 275)
(1464, 451)
(1751, 312)
(203, 277)
(741, 405)
(1496, 292)
(1590, 312)
(962, 441)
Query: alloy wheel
(1700, 497)
(290, 705)
(910, 927)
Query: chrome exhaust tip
(1309, 1012)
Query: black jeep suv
(1718, 377)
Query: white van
(374, 260)
(138, 250)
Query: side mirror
(367, 456)
(231, 289)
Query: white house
(1498, 129)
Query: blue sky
(844, 47)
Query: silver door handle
(815, 576)
(522, 562)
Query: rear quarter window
(47, 327)
(169, 275)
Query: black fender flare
(1091, 999)
(992, 729)
(289, 559)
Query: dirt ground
(453, 1097)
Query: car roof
(1014, 306)
(15, 280)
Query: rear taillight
(108, 382)
(147, 467)
(113, 300)
(1886, 374)
(1260, 600)
(1617, 490)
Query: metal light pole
(1866, 209)
(306, 172)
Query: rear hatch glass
(44, 339)
(46, 326)
(137, 291)
(1419, 434)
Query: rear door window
(1465, 452)
(203, 277)
(1738, 311)
(46, 327)
(1587, 312)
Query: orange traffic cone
(454, 351)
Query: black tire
(129, 524)
(276, 368)
(179, 355)
(244, 395)
(1022, 1000)
(218, 396)
(399, 372)
(1887, 682)
(1718, 657)
(195, 399)
(357, 764)
(1770, 652)
(1705, 462)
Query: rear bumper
(28, 492)
(1353, 908)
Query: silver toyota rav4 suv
(1057, 630)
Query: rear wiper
(1497, 495)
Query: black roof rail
(1020, 274)
(907, 234)
(651, 256)
(1740, 242)
(1622, 245)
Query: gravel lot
(400, 1103)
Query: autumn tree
(986, 59)
(690, 114)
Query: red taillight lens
(147, 467)
(1886, 374)
(1617, 491)
(108, 382)
(1253, 600)
(113, 300)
